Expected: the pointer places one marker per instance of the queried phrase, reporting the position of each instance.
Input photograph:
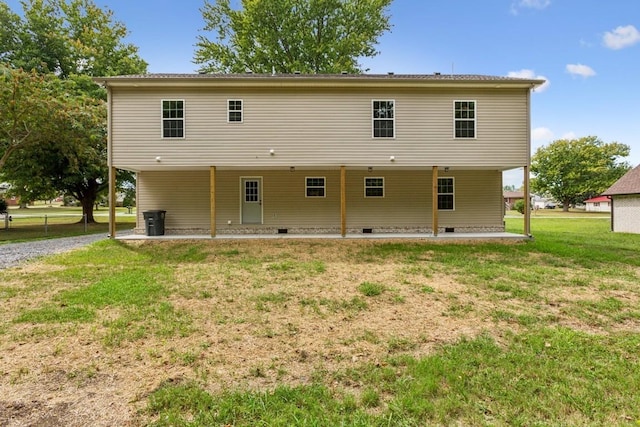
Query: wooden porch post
(111, 169)
(112, 202)
(527, 203)
(212, 198)
(343, 201)
(434, 200)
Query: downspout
(612, 213)
(527, 196)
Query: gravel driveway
(13, 254)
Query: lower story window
(315, 187)
(374, 187)
(445, 194)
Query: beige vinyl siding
(183, 194)
(406, 202)
(312, 128)
(478, 200)
(284, 203)
(626, 214)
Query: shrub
(519, 206)
(3, 206)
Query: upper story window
(445, 194)
(234, 111)
(315, 187)
(383, 119)
(465, 119)
(374, 187)
(173, 118)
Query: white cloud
(580, 70)
(541, 134)
(536, 4)
(569, 135)
(529, 4)
(585, 43)
(530, 74)
(621, 37)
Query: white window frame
(183, 119)
(373, 119)
(453, 194)
(307, 187)
(241, 110)
(474, 120)
(372, 187)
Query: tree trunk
(87, 208)
(87, 195)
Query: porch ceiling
(442, 168)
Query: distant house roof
(598, 199)
(628, 184)
(513, 194)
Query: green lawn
(322, 333)
(46, 222)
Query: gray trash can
(154, 222)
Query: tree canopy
(66, 37)
(572, 171)
(26, 101)
(69, 155)
(309, 36)
(52, 116)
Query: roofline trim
(310, 80)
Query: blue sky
(587, 50)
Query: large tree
(574, 170)
(70, 157)
(310, 36)
(26, 102)
(65, 41)
(67, 37)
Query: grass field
(328, 332)
(46, 222)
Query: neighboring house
(511, 197)
(345, 154)
(598, 204)
(625, 202)
(11, 200)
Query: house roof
(298, 79)
(513, 194)
(628, 184)
(597, 199)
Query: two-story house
(343, 154)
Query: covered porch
(299, 202)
